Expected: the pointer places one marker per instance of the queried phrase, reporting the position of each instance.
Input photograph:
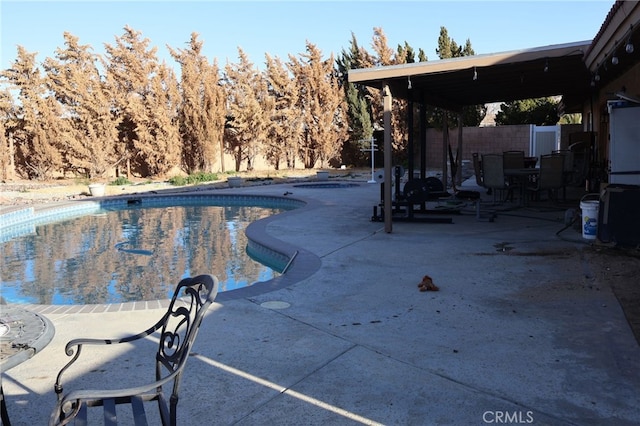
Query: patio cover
(479, 79)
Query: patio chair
(493, 174)
(551, 177)
(568, 172)
(178, 329)
(477, 169)
(513, 159)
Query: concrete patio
(521, 330)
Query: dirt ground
(614, 267)
(20, 192)
(619, 269)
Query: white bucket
(589, 217)
(97, 189)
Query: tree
(249, 108)
(75, 80)
(382, 52)
(39, 127)
(399, 124)
(447, 47)
(201, 112)
(472, 115)
(571, 119)
(7, 149)
(540, 111)
(148, 133)
(358, 108)
(321, 103)
(408, 53)
(159, 141)
(285, 124)
(6, 155)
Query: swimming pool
(134, 248)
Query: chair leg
(4, 415)
(490, 217)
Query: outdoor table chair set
(511, 172)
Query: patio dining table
(23, 333)
(522, 177)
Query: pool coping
(302, 263)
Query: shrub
(178, 181)
(120, 180)
(194, 178)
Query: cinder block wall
(486, 140)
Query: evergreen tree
(285, 126)
(201, 111)
(382, 52)
(8, 121)
(322, 105)
(447, 47)
(75, 80)
(409, 54)
(472, 115)
(249, 109)
(39, 129)
(160, 144)
(6, 154)
(358, 109)
(539, 111)
(149, 143)
(399, 125)
(468, 50)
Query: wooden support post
(459, 151)
(423, 138)
(387, 99)
(410, 144)
(445, 149)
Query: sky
(281, 28)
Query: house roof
(497, 77)
(620, 27)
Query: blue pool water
(133, 250)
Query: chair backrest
(189, 303)
(477, 168)
(493, 171)
(551, 171)
(568, 159)
(513, 159)
(178, 330)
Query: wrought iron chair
(178, 330)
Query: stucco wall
(596, 115)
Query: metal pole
(373, 163)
